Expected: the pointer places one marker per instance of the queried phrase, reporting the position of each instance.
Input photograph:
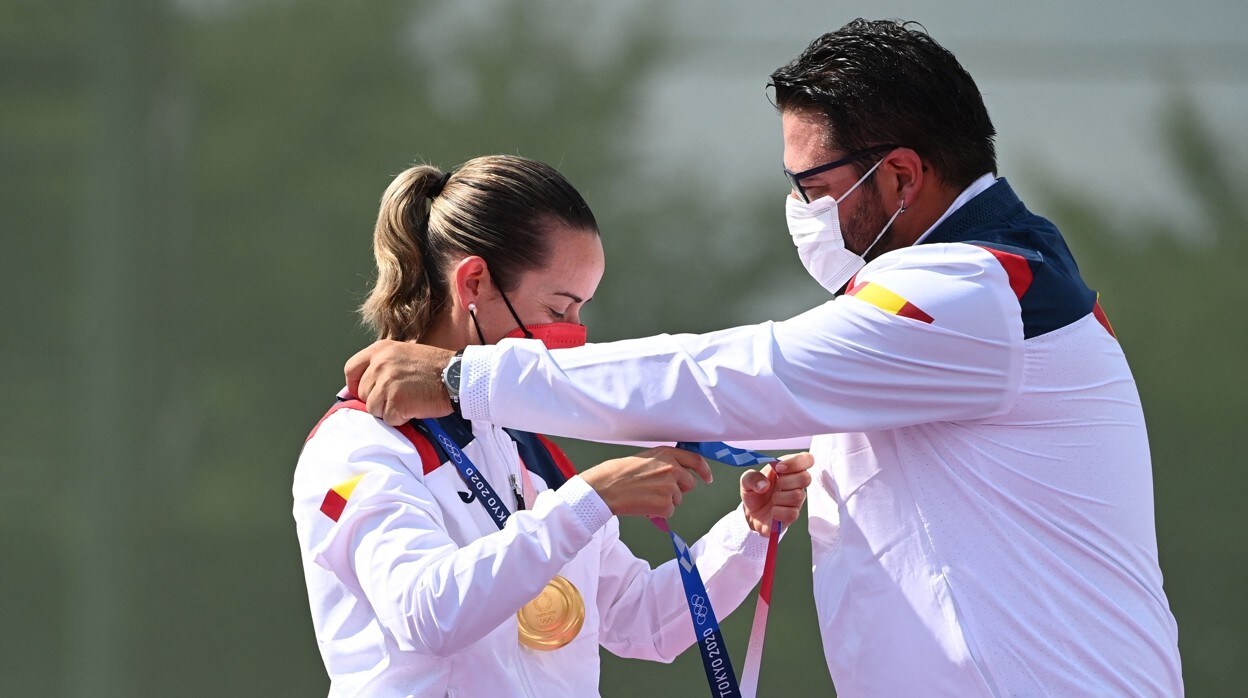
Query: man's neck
(972, 190)
(932, 208)
(924, 211)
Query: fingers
(786, 515)
(754, 481)
(652, 483)
(672, 499)
(685, 481)
(789, 496)
(794, 471)
(793, 481)
(364, 391)
(383, 401)
(378, 400)
(687, 464)
(666, 511)
(777, 492)
(399, 381)
(394, 412)
(355, 368)
(361, 373)
(795, 462)
(692, 461)
(365, 382)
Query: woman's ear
(470, 281)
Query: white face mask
(816, 230)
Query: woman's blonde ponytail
(405, 299)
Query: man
(982, 513)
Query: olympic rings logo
(698, 604)
(451, 449)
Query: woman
(460, 558)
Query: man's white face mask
(816, 230)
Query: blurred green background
(188, 190)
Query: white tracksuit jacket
(414, 590)
(982, 507)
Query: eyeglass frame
(795, 178)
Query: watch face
(450, 377)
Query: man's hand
(651, 483)
(776, 492)
(400, 380)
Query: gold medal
(553, 619)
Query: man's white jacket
(982, 506)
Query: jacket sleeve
(934, 334)
(390, 543)
(643, 611)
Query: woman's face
(555, 293)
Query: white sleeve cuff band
(590, 510)
(741, 537)
(474, 381)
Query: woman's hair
(888, 82)
(498, 207)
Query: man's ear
(471, 281)
(905, 177)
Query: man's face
(862, 213)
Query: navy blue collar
(994, 204)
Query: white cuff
(590, 510)
(474, 382)
(739, 536)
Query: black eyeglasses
(795, 178)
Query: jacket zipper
(523, 671)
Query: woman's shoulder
(350, 440)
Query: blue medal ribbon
(723, 453)
(716, 662)
(471, 475)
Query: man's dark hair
(882, 82)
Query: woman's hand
(776, 492)
(651, 483)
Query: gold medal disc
(553, 619)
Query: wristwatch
(450, 375)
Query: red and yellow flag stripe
(337, 496)
(888, 301)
